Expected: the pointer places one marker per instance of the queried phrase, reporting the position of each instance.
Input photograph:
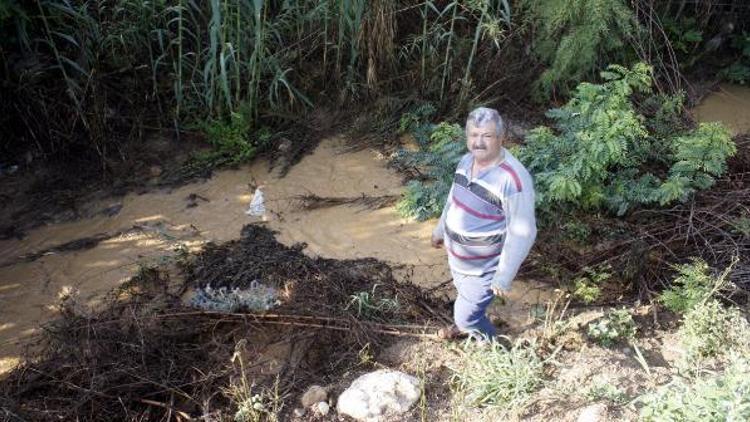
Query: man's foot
(449, 332)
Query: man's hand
(436, 241)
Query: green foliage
(739, 71)
(693, 285)
(717, 398)
(230, 139)
(369, 306)
(441, 150)
(606, 391)
(684, 34)
(602, 154)
(587, 288)
(573, 37)
(616, 325)
(712, 331)
(496, 376)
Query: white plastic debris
(257, 208)
(379, 395)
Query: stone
(594, 413)
(378, 395)
(299, 412)
(322, 408)
(314, 394)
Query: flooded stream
(149, 227)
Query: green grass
(493, 375)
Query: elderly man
(487, 225)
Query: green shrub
(442, 147)
(602, 154)
(711, 331)
(496, 376)
(574, 35)
(693, 285)
(616, 325)
(586, 288)
(718, 398)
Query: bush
(723, 397)
(711, 331)
(573, 36)
(616, 325)
(693, 285)
(442, 147)
(602, 154)
(587, 287)
(499, 376)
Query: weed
(587, 288)
(716, 398)
(693, 285)
(496, 376)
(616, 325)
(369, 306)
(254, 404)
(606, 391)
(711, 331)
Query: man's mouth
(479, 148)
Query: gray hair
(483, 115)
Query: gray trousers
(469, 310)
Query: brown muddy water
(152, 225)
(729, 104)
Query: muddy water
(730, 104)
(153, 224)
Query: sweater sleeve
(520, 236)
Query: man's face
(483, 142)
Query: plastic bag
(257, 207)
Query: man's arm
(520, 236)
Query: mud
(730, 104)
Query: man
(488, 224)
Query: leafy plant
(602, 155)
(230, 139)
(587, 288)
(716, 398)
(693, 285)
(616, 325)
(574, 35)
(442, 149)
(606, 391)
(712, 331)
(497, 376)
(369, 306)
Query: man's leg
(473, 298)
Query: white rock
(313, 395)
(299, 412)
(594, 413)
(322, 408)
(375, 396)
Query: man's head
(485, 134)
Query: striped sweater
(488, 222)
